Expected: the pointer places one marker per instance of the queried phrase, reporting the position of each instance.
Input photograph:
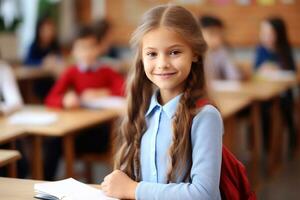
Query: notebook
(105, 103)
(68, 189)
(33, 118)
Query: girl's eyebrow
(175, 45)
(170, 47)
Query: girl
(44, 52)
(275, 47)
(168, 148)
(275, 53)
(45, 43)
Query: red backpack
(234, 183)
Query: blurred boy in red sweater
(85, 80)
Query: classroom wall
(242, 22)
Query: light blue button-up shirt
(206, 137)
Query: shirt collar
(83, 68)
(169, 108)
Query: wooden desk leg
(276, 136)
(69, 154)
(37, 161)
(230, 133)
(12, 170)
(298, 125)
(256, 142)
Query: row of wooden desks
(257, 92)
(69, 122)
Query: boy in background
(218, 64)
(84, 81)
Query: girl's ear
(195, 58)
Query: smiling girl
(168, 147)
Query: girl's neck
(165, 96)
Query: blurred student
(109, 54)
(10, 98)
(45, 43)
(84, 81)
(10, 101)
(218, 63)
(275, 53)
(44, 50)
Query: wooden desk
(230, 106)
(9, 133)
(30, 73)
(261, 91)
(9, 157)
(68, 124)
(16, 189)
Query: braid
(180, 152)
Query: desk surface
(16, 189)
(25, 73)
(68, 121)
(230, 105)
(8, 132)
(8, 156)
(259, 90)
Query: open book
(68, 189)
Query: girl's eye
(175, 52)
(151, 54)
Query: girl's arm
(10, 91)
(55, 98)
(207, 130)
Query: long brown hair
(140, 90)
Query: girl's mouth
(165, 74)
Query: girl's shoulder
(208, 112)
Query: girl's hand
(119, 185)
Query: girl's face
(167, 59)
(267, 35)
(47, 32)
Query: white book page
(105, 103)
(228, 85)
(70, 189)
(33, 118)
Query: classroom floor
(284, 185)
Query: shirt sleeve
(10, 91)
(56, 94)
(116, 82)
(207, 130)
(32, 58)
(230, 70)
(260, 57)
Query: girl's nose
(163, 62)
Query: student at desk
(10, 101)
(275, 53)
(218, 64)
(84, 81)
(44, 52)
